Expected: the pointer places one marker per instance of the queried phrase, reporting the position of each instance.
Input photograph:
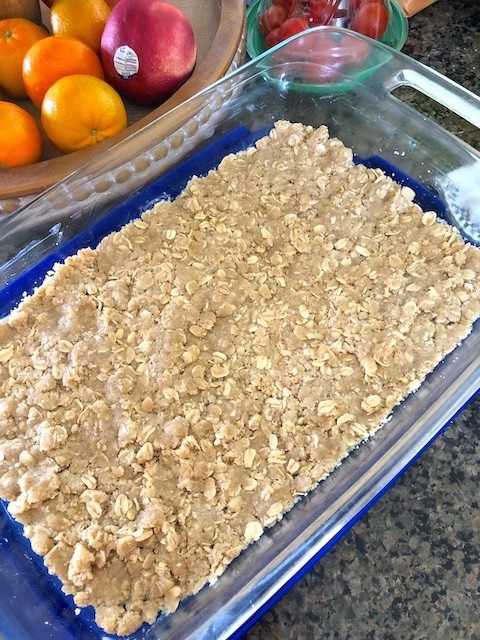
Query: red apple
(148, 50)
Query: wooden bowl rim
(33, 179)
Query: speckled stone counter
(410, 569)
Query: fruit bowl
(219, 29)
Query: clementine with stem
(79, 111)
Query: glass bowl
(331, 51)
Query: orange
(17, 35)
(83, 19)
(54, 57)
(20, 138)
(80, 111)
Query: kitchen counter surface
(410, 569)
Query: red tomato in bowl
(356, 4)
(327, 48)
(272, 39)
(320, 12)
(288, 4)
(321, 57)
(272, 18)
(291, 27)
(371, 19)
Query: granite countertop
(410, 569)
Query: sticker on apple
(125, 62)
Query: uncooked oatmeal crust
(167, 396)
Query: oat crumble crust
(167, 396)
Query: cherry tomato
(324, 48)
(371, 19)
(288, 4)
(315, 72)
(347, 50)
(320, 57)
(356, 4)
(272, 18)
(320, 11)
(272, 38)
(290, 27)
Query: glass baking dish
(155, 163)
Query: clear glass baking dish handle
(440, 88)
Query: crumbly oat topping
(167, 396)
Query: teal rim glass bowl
(395, 37)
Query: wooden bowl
(219, 29)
